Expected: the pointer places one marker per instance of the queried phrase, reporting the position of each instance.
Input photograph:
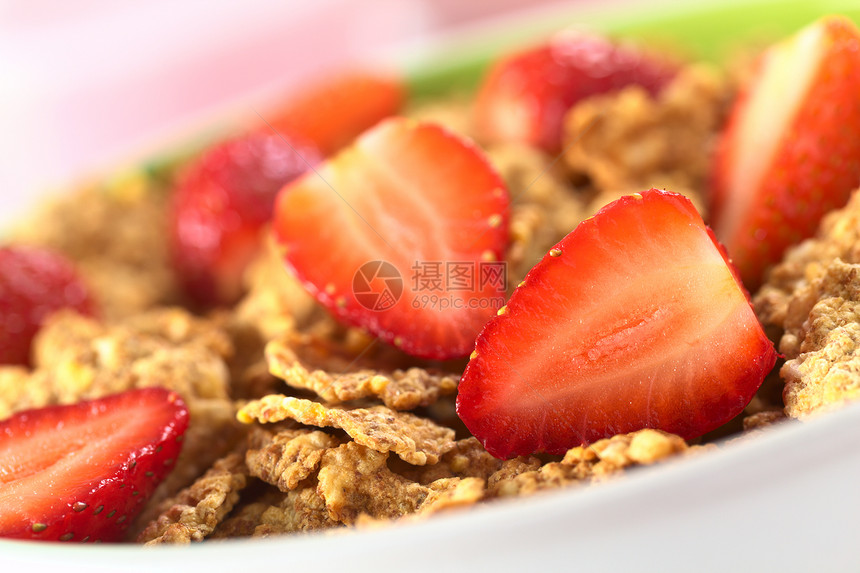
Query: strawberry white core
(787, 74)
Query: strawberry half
(790, 152)
(82, 472)
(34, 282)
(378, 235)
(332, 113)
(634, 320)
(221, 205)
(525, 96)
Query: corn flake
(763, 419)
(118, 242)
(196, 511)
(21, 389)
(467, 459)
(544, 207)
(85, 359)
(356, 481)
(416, 440)
(399, 389)
(783, 303)
(629, 140)
(213, 432)
(443, 495)
(288, 457)
(826, 372)
(302, 509)
(550, 476)
(452, 493)
(243, 522)
(601, 460)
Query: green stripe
(711, 31)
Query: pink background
(89, 84)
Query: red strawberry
(82, 472)
(426, 203)
(332, 113)
(526, 95)
(791, 151)
(219, 208)
(34, 282)
(634, 320)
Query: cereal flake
(288, 457)
(826, 372)
(355, 481)
(601, 460)
(629, 140)
(196, 511)
(783, 303)
(399, 389)
(302, 509)
(416, 440)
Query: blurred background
(89, 83)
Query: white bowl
(787, 500)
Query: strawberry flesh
(34, 282)
(634, 320)
(82, 472)
(790, 152)
(526, 95)
(224, 200)
(414, 196)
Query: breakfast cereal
(418, 441)
(630, 140)
(355, 480)
(194, 513)
(287, 458)
(598, 461)
(245, 519)
(299, 510)
(398, 390)
(118, 241)
(300, 423)
(784, 301)
(826, 372)
(467, 458)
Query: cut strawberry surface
(526, 95)
(424, 202)
(332, 113)
(82, 472)
(221, 205)
(34, 282)
(790, 152)
(634, 320)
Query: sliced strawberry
(220, 206)
(790, 152)
(419, 199)
(332, 113)
(34, 282)
(525, 95)
(634, 320)
(82, 472)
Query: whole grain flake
(288, 457)
(398, 389)
(196, 511)
(418, 441)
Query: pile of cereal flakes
(301, 424)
